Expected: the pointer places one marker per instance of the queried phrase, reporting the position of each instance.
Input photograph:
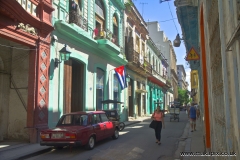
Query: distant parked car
(80, 129)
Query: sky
(153, 10)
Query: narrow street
(135, 142)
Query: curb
(184, 143)
(34, 154)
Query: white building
(181, 77)
(162, 43)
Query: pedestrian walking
(157, 116)
(192, 115)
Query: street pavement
(136, 141)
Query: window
(81, 120)
(115, 90)
(115, 30)
(104, 117)
(28, 6)
(143, 49)
(99, 89)
(100, 30)
(99, 8)
(96, 119)
(67, 120)
(137, 45)
(138, 85)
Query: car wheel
(116, 134)
(121, 126)
(91, 143)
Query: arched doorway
(73, 86)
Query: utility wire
(172, 17)
(15, 47)
(168, 20)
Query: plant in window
(128, 5)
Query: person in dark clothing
(192, 114)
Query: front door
(73, 86)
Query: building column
(37, 110)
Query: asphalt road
(136, 142)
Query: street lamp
(64, 55)
(177, 41)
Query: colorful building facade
(93, 32)
(24, 63)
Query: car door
(109, 130)
(98, 126)
(83, 129)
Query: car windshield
(77, 119)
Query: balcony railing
(155, 72)
(77, 19)
(135, 58)
(107, 35)
(148, 66)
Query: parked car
(80, 129)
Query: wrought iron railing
(148, 66)
(79, 20)
(155, 72)
(134, 57)
(108, 35)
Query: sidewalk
(194, 142)
(10, 150)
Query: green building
(92, 31)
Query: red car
(78, 129)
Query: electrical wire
(15, 47)
(172, 17)
(168, 20)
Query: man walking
(192, 114)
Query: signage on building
(192, 55)
(194, 79)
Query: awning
(140, 91)
(156, 81)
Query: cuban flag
(121, 75)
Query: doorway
(144, 105)
(130, 98)
(73, 86)
(138, 104)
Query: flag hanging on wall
(121, 75)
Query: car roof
(84, 112)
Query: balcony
(138, 63)
(77, 19)
(108, 42)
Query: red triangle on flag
(120, 70)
